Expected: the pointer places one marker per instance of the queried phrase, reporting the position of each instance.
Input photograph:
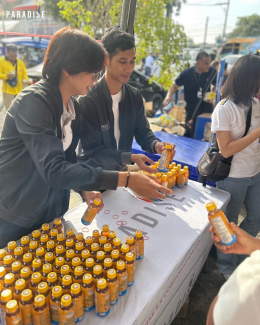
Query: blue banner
(220, 79)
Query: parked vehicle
(231, 60)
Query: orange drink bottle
(111, 236)
(100, 258)
(40, 252)
(76, 261)
(105, 230)
(9, 282)
(173, 178)
(32, 248)
(50, 246)
(57, 224)
(46, 269)
(102, 298)
(36, 265)
(97, 273)
(220, 224)
(66, 311)
(25, 244)
(65, 270)
(165, 159)
(35, 281)
(6, 295)
(18, 254)
(36, 236)
(84, 255)
(66, 284)
(130, 268)
(108, 264)
(107, 250)
(170, 180)
(16, 269)
(70, 234)
(43, 241)
(46, 229)
(13, 315)
(90, 212)
(2, 255)
(26, 275)
(59, 261)
(116, 244)
(88, 289)
(78, 249)
(53, 235)
(94, 249)
(49, 259)
(60, 251)
(10, 248)
(102, 241)
(61, 240)
(78, 301)
(95, 236)
(2, 276)
(115, 257)
(113, 286)
(131, 243)
(20, 285)
(26, 304)
(78, 275)
(124, 249)
(122, 277)
(159, 177)
(80, 238)
(56, 294)
(70, 244)
(27, 260)
(181, 178)
(8, 260)
(139, 242)
(43, 289)
(89, 265)
(88, 242)
(41, 311)
(176, 172)
(186, 172)
(70, 254)
(52, 280)
(179, 166)
(165, 181)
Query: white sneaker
(227, 276)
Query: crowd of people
(44, 123)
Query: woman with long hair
(37, 150)
(229, 124)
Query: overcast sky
(193, 17)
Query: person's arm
(24, 74)
(210, 320)
(3, 76)
(174, 87)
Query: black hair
(115, 40)
(243, 82)
(215, 64)
(202, 55)
(74, 51)
(226, 64)
(11, 47)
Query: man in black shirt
(194, 80)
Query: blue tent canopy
(254, 47)
(28, 41)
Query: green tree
(246, 26)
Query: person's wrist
(122, 179)
(255, 245)
(133, 158)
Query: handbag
(13, 82)
(212, 165)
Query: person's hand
(147, 186)
(159, 147)
(141, 160)
(90, 196)
(245, 243)
(166, 101)
(28, 82)
(10, 76)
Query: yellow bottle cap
(169, 174)
(16, 266)
(2, 253)
(59, 249)
(173, 172)
(40, 251)
(111, 274)
(182, 171)
(11, 245)
(158, 175)
(56, 292)
(33, 244)
(39, 301)
(153, 175)
(20, 284)
(66, 300)
(94, 247)
(36, 277)
(117, 241)
(80, 236)
(100, 255)
(50, 244)
(97, 269)
(44, 238)
(52, 277)
(76, 261)
(79, 246)
(87, 278)
(25, 272)
(26, 295)
(2, 271)
(168, 146)
(70, 242)
(49, 257)
(47, 268)
(120, 265)
(6, 295)
(115, 253)
(66, 280)
(101, 283)
(12, 306)
(75, 288)
(78, 271)
(70, 253)
(18, 251)
(43, 287)
(54, 233)
(107, 247)
(138, 233)
(88, 240)
(124, 248)
(61, 237)
(153, 166)
(8, 259)
(90, 262)
(70, 232)
(211, 206)
(65, 269)
(27, 257)
(97, 201)
(9, 278)
(45, 227)
(36, 263)
(173, 164)
(129, 240)
(186, 168)
(179, 166)
(57, 221)
(105, 228)
(95, 233)
(107, 262)
(102, 239)
(164, 177)
(85, 253)
(59, 261)
(36, 234)
(111, 234)
(129, 256)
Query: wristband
(127, 180)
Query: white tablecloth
(176, 247)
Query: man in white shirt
(149, 61)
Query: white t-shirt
(116, 99)
(238, 299)
(149, 60)
(227, 116)
(65, 122)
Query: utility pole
(205, 33)
(131, 18)
(225, 24)
(128, 16)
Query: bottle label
(2, 315)
(102, 302)
(113, 287)
(163, 163)
(67, 317)
(17, 320)
(130, 268)
(139, 249)
(122, 280)
(54, 309)
(222, 230)
(27, 314)
(89, 298)
(133, 251)
(79, 308)
(41, 317)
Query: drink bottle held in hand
(91, 212)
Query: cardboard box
(184, 310)
(178, 112)
(148, 106)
